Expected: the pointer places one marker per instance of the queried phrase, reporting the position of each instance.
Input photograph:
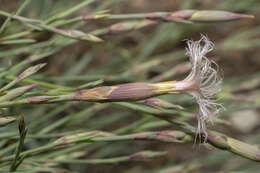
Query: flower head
(203, 82)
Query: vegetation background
(139, 54)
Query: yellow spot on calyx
(111, 90)
(195, 15)
(99, 16)
(165, 87)
(100, 93)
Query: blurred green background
(154, 53)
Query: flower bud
(80, 136)
(127, 26)
(77, 35)
(205, 16)
(30, 71)
(159, 103)
(144, 155)
(217, 16)
(6, 120)
(40, 99)
(17, 92)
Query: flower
(203, 82)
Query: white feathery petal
(203, 82)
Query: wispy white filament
(203, 82)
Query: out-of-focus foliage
(101, 49)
